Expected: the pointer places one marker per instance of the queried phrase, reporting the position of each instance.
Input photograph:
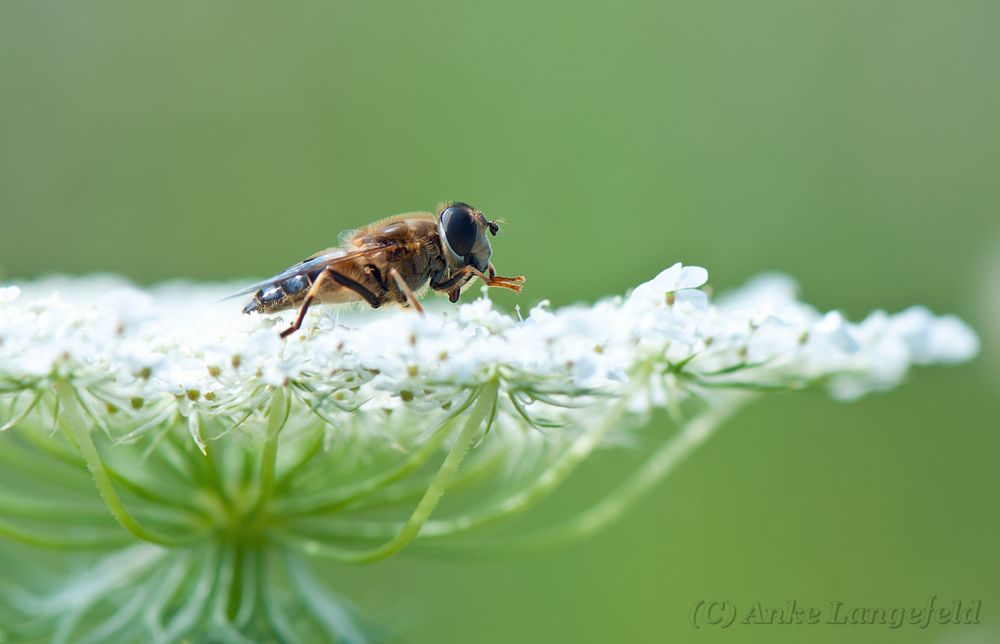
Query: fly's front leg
(452, 285)
(513, 283)
(411, 297)
(462, 275)
(510, 283)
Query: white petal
(691, 277)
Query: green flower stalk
(169, 469)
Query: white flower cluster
(363, 404)
(149, 354)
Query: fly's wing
(316, 263)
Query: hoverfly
(389, 261)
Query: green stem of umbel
(334, 499)
(438, 486)
(673, 451)
(276, 418)
(550, 479)
(72, 420)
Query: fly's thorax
(410, 229)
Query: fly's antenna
(494, 227)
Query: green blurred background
(853, 145)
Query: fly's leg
(510, 283)
(357, 287)
(453, 285)
(373, 272)
(411, 297)
(310, 296)
(339, 278)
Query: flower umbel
(199, 461)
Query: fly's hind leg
(339, 278)
(310, 296)
(411, 297)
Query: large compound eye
(459, 229)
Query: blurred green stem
(541, 487)
(674, 450)
(277, 416)
(438, 486)
(655, 469)
(72, 418)
(551, 478)
(63, 541)
(339, 498)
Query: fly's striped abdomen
(282, 295)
